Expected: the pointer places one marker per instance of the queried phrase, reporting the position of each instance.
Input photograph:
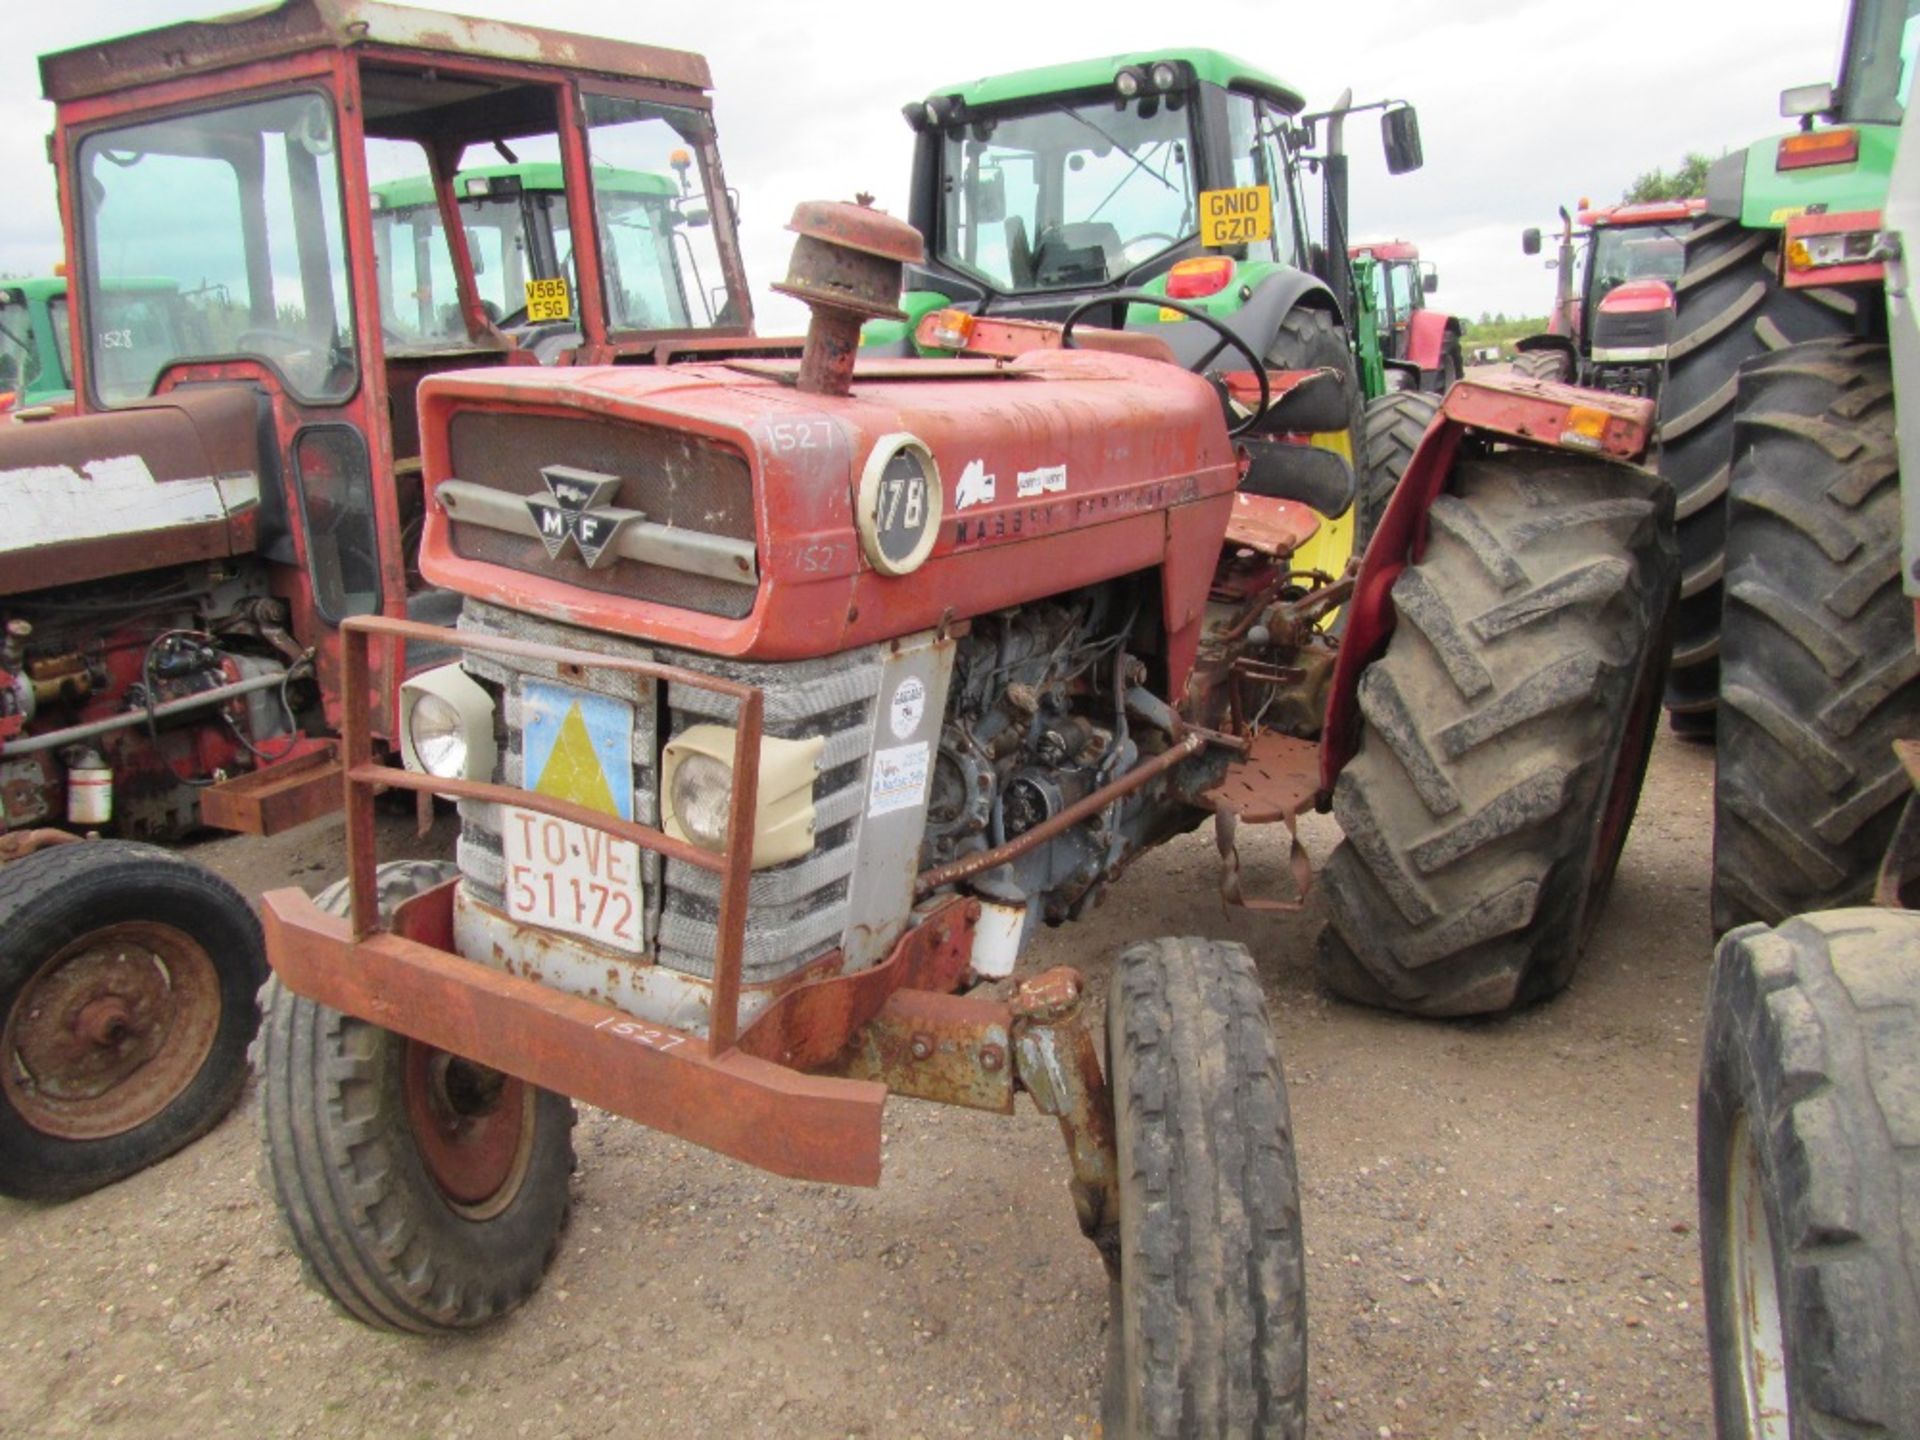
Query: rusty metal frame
(734, 864)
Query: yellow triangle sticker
(573, 770)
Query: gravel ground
(1499, 1220)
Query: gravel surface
(1499, 1221)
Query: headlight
(702, 791)
(696, 771)
(434, 729)
(446, 724)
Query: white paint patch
(899, 778)
(976, 487)
(1047, 480)
(53, 504)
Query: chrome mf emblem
(573, 509)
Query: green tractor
(140, 318)
(1781, 257)
(1141, 191)
(517, 226)
(1809, 1114)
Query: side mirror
(990, 198)
(1429, 280)
(1400, 133)
(1530, 240)
(1802, 100)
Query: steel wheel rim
(1759, 1330)
(473, 1127)
(110, 1030)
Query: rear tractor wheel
(1506, 729)
(1208, 1331)
(1394, 424)
(422, 1192)
(127, 984)
(1554, 365)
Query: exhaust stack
(846, 268)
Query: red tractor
(1612, 332)
(737, 863)
(241, 479)
(1419, 346)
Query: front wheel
(1809, 1139)
(127, 982)
(1208, 1328)
(1506, 729)
(422, 1192)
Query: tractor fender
(1545, 342)
(1427, 334)
(1257, 321)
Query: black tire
(1809, 1135)
(156, 961)
(1554, 365)
(1311, 340)
(1820, 673)
(1451, 366)
(1209, 1326)
(1394, 424)
(374, 1229)
(1730, 308)
(1505, 733)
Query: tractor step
(1277, 779)
(291, 792)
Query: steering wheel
(1198, 367)
(1161, 238)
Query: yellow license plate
(548, 300)
(1236, 217)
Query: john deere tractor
(1785, 255)
(1157, 192)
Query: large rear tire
(423, 1193)
(1729, 308)
(1820, 674)
(127, 984)
(1394, 424)
(1209, 1327)
(1809, 1139)
(1505, 734)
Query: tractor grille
(796, 911)
(673, 479)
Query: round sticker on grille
(899, 513)
(909, 704)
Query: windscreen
(226, 221)
(1636, 252)
(1876, 72)
(1068, 196)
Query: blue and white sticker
(1047, 480)
(909, 704)
(899, 779)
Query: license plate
(564, 876)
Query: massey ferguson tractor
(1419, 345)
(797, 697)
(1809, 1115)
(242, 475)
(1785, 254)
(1179, 174)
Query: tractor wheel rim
(1759, 1332)
(110, 1030)
(473, 1126)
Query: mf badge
(574, 509)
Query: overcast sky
(1524, 104)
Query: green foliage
(1499, 330)
(1683, 184)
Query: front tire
(1209, 1332)
(1809, 1139)
(1820, 676)
(423, 1193)
(127, 983)
(1729, 308)
(1505, 733)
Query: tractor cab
(1175, 174)
(347, 198)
